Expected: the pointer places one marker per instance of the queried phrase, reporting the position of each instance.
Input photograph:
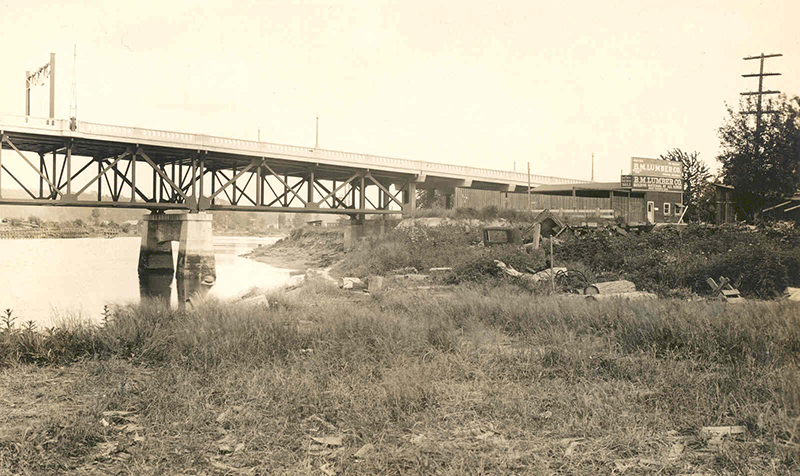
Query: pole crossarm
(762, 56)
(757, 93)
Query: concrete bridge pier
(196, 268)
(355, 231)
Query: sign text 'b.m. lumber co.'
(656, 168)
(651, 183)
(654, 174)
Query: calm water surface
(44, 280)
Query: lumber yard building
(651, 194)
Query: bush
(763, 262)
(421, 247)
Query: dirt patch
(302, 249)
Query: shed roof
(568, 187)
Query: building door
(651, 212)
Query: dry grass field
(476, 380)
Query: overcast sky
(485, 84)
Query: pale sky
(483, 84)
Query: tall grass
(413, 373)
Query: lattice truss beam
(137, 177)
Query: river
(50, 279)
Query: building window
(667, 208)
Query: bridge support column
(196, 268)
(354, 231)
(155, 259)
(410, 198)
(449, 195)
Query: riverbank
(8, 233)
(474, 381)
(303, 248)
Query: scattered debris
(571, 448)
(352, 284)
(713, 431)
(724, 289)
(611, 287)
(540, 276)
(375, 284)
(328, 469)
(676, 450)
(792, 294)
(227, 444)
(439, 271)
(501, 235)
(545, 274)
(410, 277)
(328, 440)
(364, 451)
(717, 433)
(635, 295)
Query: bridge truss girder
(122, 175)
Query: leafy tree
(762, 165)
(427, 198)
(705, 203)
(96, 215)
(695, 177)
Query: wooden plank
(609, 287)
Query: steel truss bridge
(69, 163)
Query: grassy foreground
(477, 381)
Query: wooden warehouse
(605, 199)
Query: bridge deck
(93, 140)
(218, 163)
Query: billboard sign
(639, 182)
(656, 168)
(654, 174)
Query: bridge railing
(199, 141)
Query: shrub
(764, 261)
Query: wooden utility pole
(760, 93)
(529, 187)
